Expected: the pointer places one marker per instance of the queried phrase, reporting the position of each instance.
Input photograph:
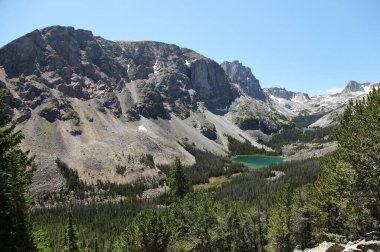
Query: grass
(47, 127)
(214, 182)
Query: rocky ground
(357, 246)
(301, 151)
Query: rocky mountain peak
(353, 86)
(288, 95)
(242, 75)
(301, 97)
(168, 79)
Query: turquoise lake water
(306, 129)
(254, 161)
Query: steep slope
(243, 76)
(97, 104)
(288, 95)
(251, 111)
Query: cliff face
(353, 86)
(243, 76)
(288, 95)
(78, 64)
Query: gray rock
(209, 131)
(243, 76)
(49, 111)
(353, 86)
(285, 94)
(83, 66)
(24, 115)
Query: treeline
(198, 222)
(207, 165)
(293, 135)
(237, 147)
(98, 224)
(73, 182)
(76, 189)
(302, 121)
(257, 183)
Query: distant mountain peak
(242, 75)
(288, 95)
(353, 86)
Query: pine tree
(358, 137)
(345, 199)
(71, 237)
(280, 222)
(149, 231)
(15, 179)
(178, 181)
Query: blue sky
(310, 46)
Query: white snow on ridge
(142, 129)
(155, 67)
(187, 63)
(281, 100)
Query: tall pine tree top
(15, 179)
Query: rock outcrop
(288, 95)
(357, 246)
(80, 65)
(243, 76)
(353, 86)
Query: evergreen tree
(178, 181)
(358, 137)
(71, 237)
(345, 200)
(15, 179)
(149, 231)
(280, 223)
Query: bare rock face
(357, 246)
(252, 114)
(285, 94)
(353, 86)
(243, 76)
(80, 65)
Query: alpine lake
(256, 161)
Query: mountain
(288, 95)
(353, 86)
(327, 107)
(251, 111)
(98, 104)
(243, 76)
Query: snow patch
(187, 63)
(142, 129)
(280, 100)
(155, 67)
